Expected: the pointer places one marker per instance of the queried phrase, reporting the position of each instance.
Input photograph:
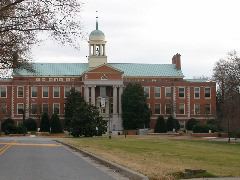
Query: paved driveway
(26, 158)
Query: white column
(100, 50)
(120, 99)
(86, 93)
(93, 95)
(94, 49)
(114, 99)
(90, 49)
(104, 53)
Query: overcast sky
(139, 31)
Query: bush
(172, 124)
(201, 128)
(21, 129)
(160, 126)
(8, 126)
(236, 133)
(45, 124)
(56, 126)
(30, 124)
(191, 123)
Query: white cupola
(97, 52)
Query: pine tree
(56, 126)
(45, 124)
(135, 112)
(160, 126)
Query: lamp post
(109, 126)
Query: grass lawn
(161, 157)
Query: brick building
(102, 83)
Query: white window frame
(166, 92)
(58, 106)
(144, 87)
(32, 108)
(32, 91)
(195, 109)
(65, 90)
(210, 109)
(179, 108)
(166, 108)
(3, 105)
(155, 108)
(157, 87)
(1, 91)
(209, 93)
(18, 91)
(58, 91)
(199, 90)
(18, 107)
(183, 92)
(43, 108)
(43, 91)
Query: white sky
(152, 31)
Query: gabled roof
(102, 65)
(77, 69)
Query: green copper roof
(197, 80)
(76, 69)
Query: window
(34, 108)
(56, 92)
(34, 92)
(157, 92)
(168, 109)
(207, 92)
(20, 91)
(20, 108)
(197, 92)
(56, 108)
(45, 108)
(207, 109)
(3, 108)
(196, 108)
(67, 91)
(168, 92)
(181, 92)
(78, 89)
(3, 91)
(157, 109)
(181, 109)
(45, 92)
(147, 91)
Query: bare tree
(22, 20)
(227, 76)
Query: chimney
(177, 61)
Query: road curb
(132, 175)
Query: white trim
(168, 87)
(48, 107)
(32, 108)
(159, 108)
(59, 92)
(179, 109)
(184, 92)
(209, 93)
(195, 109)
(59, 108)
(22, 91)
(65, 90)
(149, 90)
(36, 91)
(159, 92)
(47, 91)
(17, 107)
(1, 91)
(198, 92)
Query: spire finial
(97, 20)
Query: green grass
(160, 158)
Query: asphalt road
(32, 158)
